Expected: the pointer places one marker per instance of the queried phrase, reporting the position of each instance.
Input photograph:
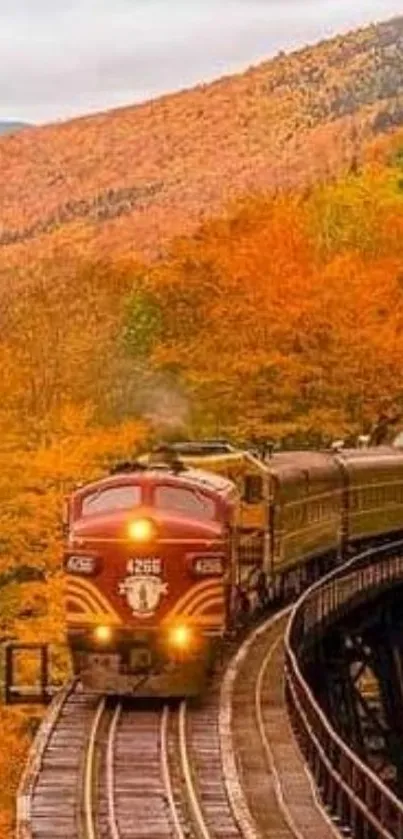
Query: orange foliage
(15, 738)
(285, 318)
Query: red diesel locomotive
(148, 570)
(162, 559)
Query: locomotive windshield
(185, 501)
(110, 499)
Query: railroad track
(156, 773)
(115, 770)
(51, 803)
(271, 793)
(119, 770)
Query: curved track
(269, 789)
(53, 804)
(119, 770)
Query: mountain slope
(129, 179)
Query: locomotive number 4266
(139, 566)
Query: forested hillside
(283, 317)
(128, 179)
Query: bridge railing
(350, 790)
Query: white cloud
(59, 58)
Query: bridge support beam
(357, 674)
(387, 656)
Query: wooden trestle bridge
(300, 736)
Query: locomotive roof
(188, 476)
(202, 447)
(210, 480)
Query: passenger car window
(187, 502)
(110, 499)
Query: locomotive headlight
(180, 637)
(103, 634)
(141, 530)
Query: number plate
(144, 566)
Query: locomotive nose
(147, 564)
(145, 526)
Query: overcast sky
(61, 58)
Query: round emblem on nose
(143, 593)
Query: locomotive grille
(251, 546)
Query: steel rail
(110, 773)
(235, 792)
(166, 775)
(172, 791)
(197, 814)
(265, 742)
(89, 809)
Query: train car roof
(369, 451)
(288, 465)
(303, 457)
(387, 456)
